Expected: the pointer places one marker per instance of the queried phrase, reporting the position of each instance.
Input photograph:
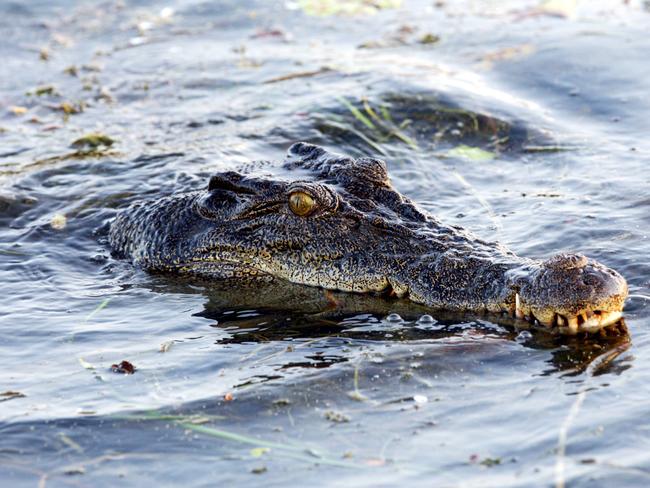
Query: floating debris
(356, 393)
(85, 364)
(382, 128)
(17, 110)
(58, 222)
(489, 462)
(69, 108)
(429, 39)
(93, 141)
(336, 417)
(259, 451)
(75, 470)
(357, 114)
(300, 74)
(472, 153)
(124, 367)
(10, 395)
(295, 451)
(71, 70)
(545, 149)
(41, 91)
(281, 402)
(70, 442)
(86, 411)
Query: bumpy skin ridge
(360, 236)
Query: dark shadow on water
(411, 119)
(287, 312)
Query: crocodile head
(335, 222)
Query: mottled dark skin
(354, 232)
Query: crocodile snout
(572, 293)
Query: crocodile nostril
(591, 280)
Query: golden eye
(301, 203)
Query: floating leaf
(45, 90)
(429, 39)
(85, 364)
(93, 141)
(259, 451)
(472, 153)
(69, 108)
(489, 462)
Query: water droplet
(393, 317)
(426, 319)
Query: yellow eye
(301, 203)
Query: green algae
(47, 90)
(464, 151)
(93, 141)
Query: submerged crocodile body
(340, 225)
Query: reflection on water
(288, 312)
(533, 137)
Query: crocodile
(336, 222)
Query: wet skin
(340, 225)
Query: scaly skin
(355, 233)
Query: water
(284, 389)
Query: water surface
(256, 388)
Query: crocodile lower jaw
(589, 321)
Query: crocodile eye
(301, 203)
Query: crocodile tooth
(573, 325)
(592, 324)
(518, 313)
